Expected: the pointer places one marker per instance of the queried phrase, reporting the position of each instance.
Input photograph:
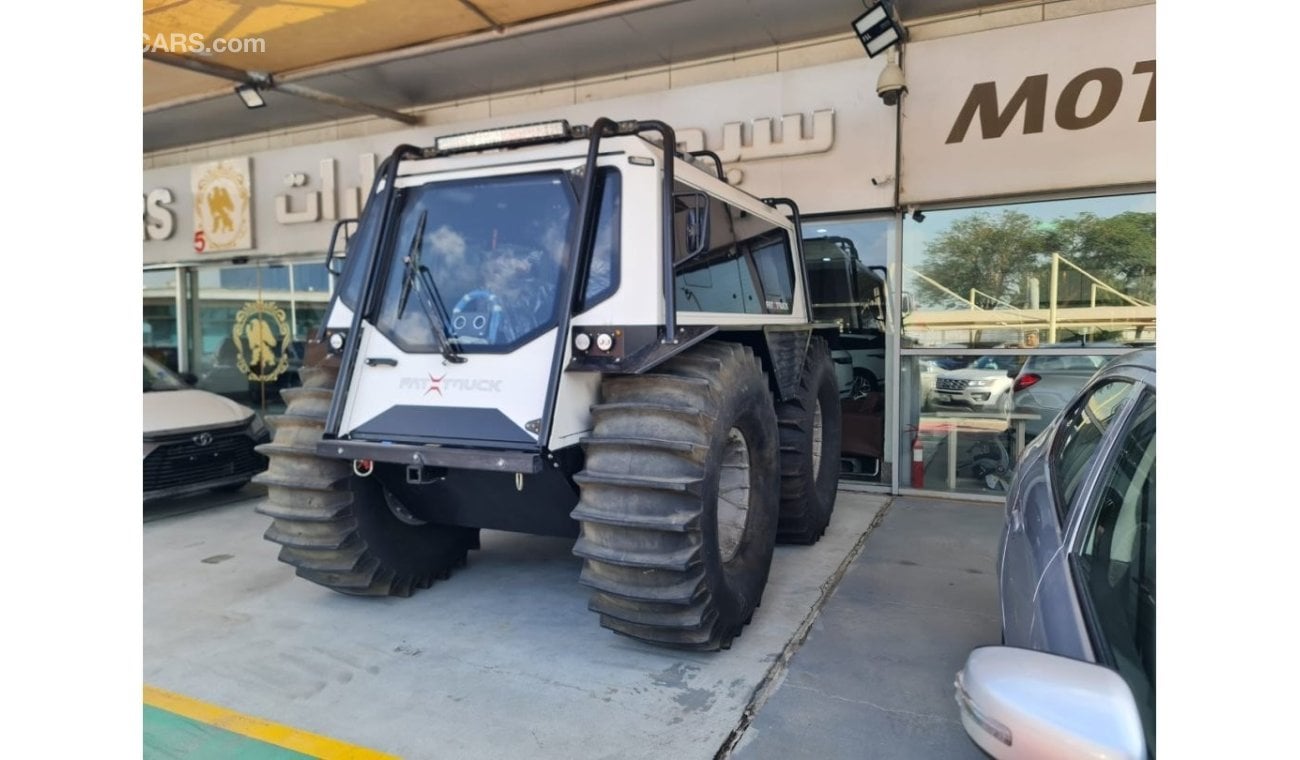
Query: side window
(719, 279)
(1079, 438)
(773, 261)
(746, 269)
(1117, 561)
(602, 277)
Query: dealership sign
(780, 134)
(1055, 105)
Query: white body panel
(513, 383)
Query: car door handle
(375, 361)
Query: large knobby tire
(679, 498)
(336, 528)
(810, 426)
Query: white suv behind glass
(983, 386)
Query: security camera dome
(890, 85)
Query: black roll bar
(368, 299)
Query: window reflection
(251, 327)
(1027, 301)
(1031, 273)
(958, 411)
(160, 317)
(846, 264)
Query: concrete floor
(874, 679)
(501, 660)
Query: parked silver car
(1077, 584)
(195, 440)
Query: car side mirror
(1018, 704)
(190, 378)
(696, 208)
(336, 256)
(905, 307)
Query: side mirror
(190, 378)
(696, 208)
(334, 259)
(905, 307)
(1018, 704)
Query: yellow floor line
(256, 728)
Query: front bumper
(188, 463)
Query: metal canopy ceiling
(397, 54)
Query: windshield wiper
(438, 315)
(437, 311)
(412, 264)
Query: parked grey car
(1077, 584)
(1047, 382)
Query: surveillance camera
(890, 86)
(918, 215)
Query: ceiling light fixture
(251, 95)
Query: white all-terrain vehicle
(561, 330)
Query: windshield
(494, 248)
(157, 377)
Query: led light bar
(865, 24)
(877, 28)
(505, 137)
(886, 38)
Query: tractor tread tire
(648, 504)
(807, 497)
(335, 528)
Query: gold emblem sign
(261, 334)
(222, 206)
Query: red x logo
(434, 384)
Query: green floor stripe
(170, 736)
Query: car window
(1117, 561)
(1050, 363)
(1079, 438)
(157, 377)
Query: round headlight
(582, 341)
(336, 341)
(604, 341)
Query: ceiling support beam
(266, 82)
(496, 25)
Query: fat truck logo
(434, 384)
(1031, 97)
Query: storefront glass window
(847, 261)
(251, 324)
(1032, 274)
(1012, 309)
(161, 307)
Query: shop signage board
(816, 134)
(1056, 105)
